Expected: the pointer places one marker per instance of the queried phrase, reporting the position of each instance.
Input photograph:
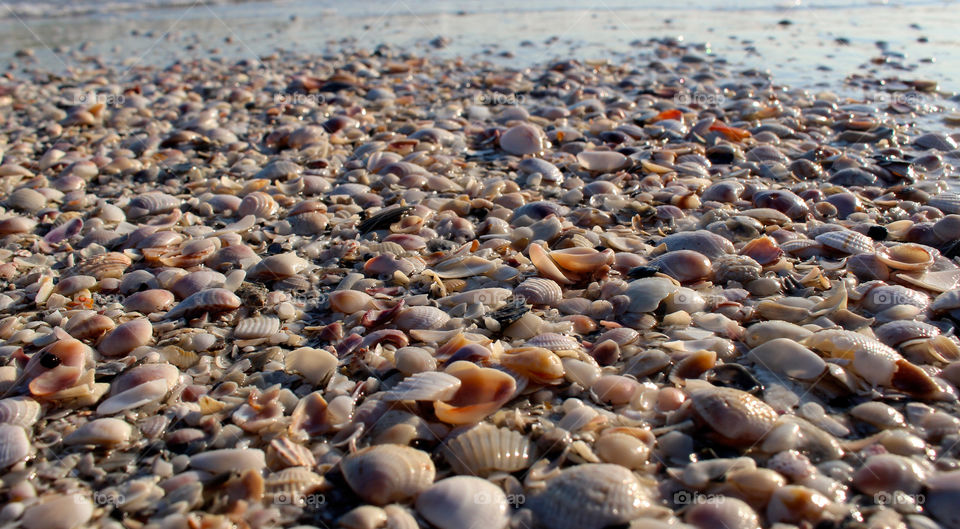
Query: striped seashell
(539, 291)
(21, 411)
(847, 241)
(388, 473)
(308, 217)
(212, 300)
(257, 327)
(151, 204)
(279, 170)
(802, 248)
(14, 444)
(554, 342)
(427, 385)
(111, 264)
(258, 204)
(608, 495)
(279, 266)
(485, 448)
(283, 453)
(88, 325)
(421, 317)
(948, 203)
(292, 485)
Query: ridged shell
(20, 411)
(89, 326)
(257, 327)
(279, 266)
(110, 264)
(212, 300)
(14, 444)
(908, 256)
(462, 502)
(385, 474)
(539, 291)
(291, 485)
(707, 243)
(421, 317)
(554, 342)
(428, 385)
(899, 331)
(590, 496)
(847, 241)
(308, 223)
(736, 416)
(485, 448)
(948, 203)
(258, 204)
(152, 204)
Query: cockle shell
(539, 291)
(14, 444)
(111, 264)
(383, 474)
(427, 385)
(846, 241)
(736, 417)
(151, 204)
(421, 317)
(464, 501)
(211, 300)
(292, 485)
(20, 411)
(606, 495)
(485, 448)
(257, 327)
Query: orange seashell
(546, 266)
(673, 113)
(482, 392)
(582, 260)
(763, 250)
(536, 363)
(731, 133)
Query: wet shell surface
(20, 411)
(210, 300)
(258, 327)
(14, 444)
(485, 448)
(388, 473)
(846, 241)
(539, 291)
(428, 385)
(464, 501)
(609, 495)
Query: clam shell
(151, 204)
(847, 241)
(149, 301)
(14, 444)
(19, 411)
(229, 460)
(145, 393)
(58, 511)
(315, 365)
(258, 327)
(485, 448)
(736, 417)
(279, 266)
(27, 200)
(111, 264)
(427, 385)
(948, 203)
(704, 242)
(105, 432)
(539, 291)
(896, 332)
(258, 204)
(211, 300)
(646, 293)
(602, 161)
(86, 326)
(523, 139)
(554, 342)
(785, 356)
(126, 337)
(383, 474)
(907, 256)
(464, 501)
(590, 496)
(421, 317)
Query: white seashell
(847, 241)
(485, 448)
(58, 511)
(21, 411)
(428, 385)
(315, 365)
(258, 204)
(539, 291)
(210, 300)
(383, 474)
(229, 460)
(134, 397)
(26, 199)
(787, 357)
(101, 432)
(280, 266)
(421, 317)
(554, 342)
(601, 161)
(152, 204)
(523, 139)
(258, 327)
(590, 496)
(464, 501)
(646, 294)
(14, 444)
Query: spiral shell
(258, 204)
(151, 204)
(539, 291)
(485, 448)
(383, 474)
(257, 327)
(111, 264)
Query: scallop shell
(590, 496)
(428, 385)
(736, 417)
(461, 502)
(421, 317)
(20, 411)
(257, 327)
(212, 300)
(152, 204)
(292, 485)
(279, 266)
(485, 448)
(14, 444)
(847, 241)
(554, 342)
(539, 291)
(383, 474)
(258, 204)
(948, 203)
(111, 264)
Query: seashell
(522, 139)
(464, 501)
(211, 300)
(284, 453)
(350, 301)
(139, 395)
(106, 265)
(229, 460)
(101, 432)
(72, 358)
(87, 326)
(493, 298)
(607, 495)
(152, 203)
(739, 268)
(547, 171)
(308, 217)
(725, 512)
(683, 265)
(428, 385)
(939, 281)
(787, 357)
(948, 203)
(383, 474)
(126, 337)
(943, 492)
(795, 504)
(292, 485)
(878, 414)
(279, 266)
(14, 444)
(622, 449)
(315, 365)
(280, 170)
(783, 201)
(763, 250)
(14, 225)
(257, 327)
(69, 286)
(482, 391)
(194, 282)
(614, 389)
(896, 332)
(421, 317)
(868, 267)
(846, 241)
(646, 293)
(536, 363)
(258, 204)
(704, 242)
(724, 191)
(149, 301)
(58, 511)
(906, 256)
(736, 417)
(602, 161)
(554, 342)
(485, 449)
(463, 266)
(26, 200)
(19, 411)
(232, 257)
(883, 297)
(889, 473)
